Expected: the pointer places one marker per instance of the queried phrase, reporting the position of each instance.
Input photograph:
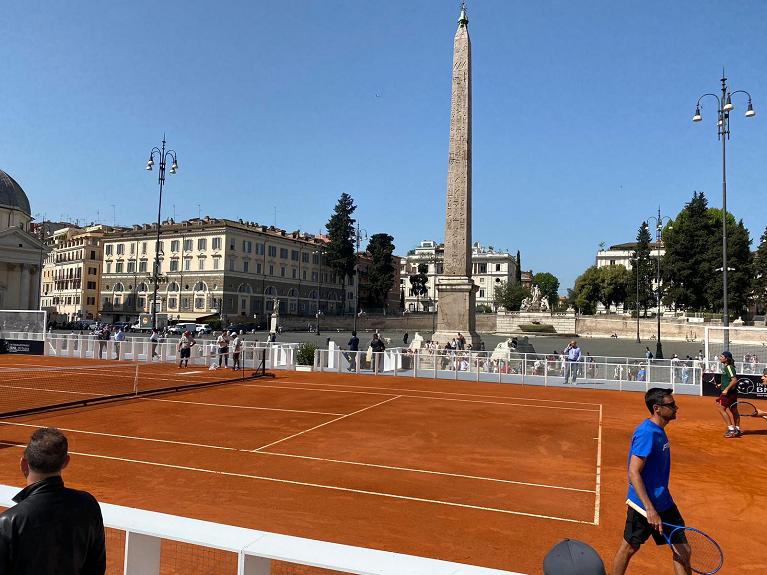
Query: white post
(250, 565)
(142, 554)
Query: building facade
(21, 253)
(489, 269)
(72, 273)
(623, 254)
(209, 266)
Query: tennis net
(77, 382)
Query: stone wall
(624, 326)
(509, 322)
(486, 323)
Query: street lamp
(319, 254)
(636, 302)
(725, 106)
(359, 236)
(658, 229)
(162, 156)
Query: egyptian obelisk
(457, 292)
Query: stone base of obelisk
(457, 311)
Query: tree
(586, 292)
(518, 275)
(759, 284)
(381, 273)
(614, 285)
(510, 295)
(340, 250)
(644, 268)
(549, 286)
(739, 260)
(402, 300)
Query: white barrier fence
(597, 372)
(276, 355)
(151, 543)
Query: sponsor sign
(750, 386)
(22, 346)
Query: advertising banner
(22, 346)
(750, 386)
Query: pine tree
(381, 274)
(340, 250)
(518, 277)
(643, 269)
(759, 284)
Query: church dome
(11, 194)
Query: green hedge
(537, 328)
(305, 354)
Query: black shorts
(186, 352)
(638, 530)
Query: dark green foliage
(645, 267)
(519, 268)
(586, 292)
(510, 296)
(340, 251)
(760, 273)
(537, 328)
(549, 286)
(614, 285)
(381, 273)
(305, 353)
(402, 299)
(419, 281)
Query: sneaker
(731, 433)
(738, 432)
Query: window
(172, 302)
(271, 270)
(245, 266)
(199, 302)
(93, 254)
(201, 264)
(258, 268)
(247, 246)
(118, 267)
(259, 249)
(91, 285)
(184, 303)
(201, 244)
(481, 280)
(483, 268)
(305, 257)
(283, 253)
(143, 248)
(132, 249)
(174, 265)
(91, 301)
(232, 244)
(187, 264)
(272, 251)
(294, 255)
(216, 243)
(120, 249)
(142, 266)
(295, 273)
(282, 271)
(108, 249)
(109, 267)
(216, 262)
(188, 245)
(315, 276)
(174, 245)
(231, 264)
(481, 293)
(497, 267)
(131, 267)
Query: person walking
(52, 529)
(184, 347)
(223, 349)
(572, 354)
(649, 468)
(354, 347)
(236, 350)
(104, 335)
(154, 339)
(405, 338)
(728, 396)
(119, 338)
(377, 346)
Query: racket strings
(704, 554)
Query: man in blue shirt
(649, 466)
(572, 356)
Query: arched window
(119, 287)
(173, 286)
(293, 292)
(142, 287)
(244, 288)
(271, 290)
(200, 286)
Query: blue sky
(581, 114)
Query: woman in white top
(223, 349)
(236, 350)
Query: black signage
(22, 346)
(750, 386)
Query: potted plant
(305, 356)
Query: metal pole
(658, 345)
(636, 269)
(724, 117)
(356, 279)
(161, 180)
(319, 289)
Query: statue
(535, 294)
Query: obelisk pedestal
(457, 293)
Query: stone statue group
(535, 302)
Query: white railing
(143, 533)
(276, 355)
(598, 372)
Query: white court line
(324, 424)
(49, 390)
(237, 406)
(597, 487)
(396, 390)
(258, 385)
(321, 486)
(323, 459)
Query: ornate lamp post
(635, 262)
(724, 107)
(658, 229)
(162, 156)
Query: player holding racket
(649, 466)
(729, 396)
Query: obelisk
(457, 293)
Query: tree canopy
(549, 286)
(381, 273)
(340, 251)
(510, 295)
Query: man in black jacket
(52, 530)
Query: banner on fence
(750, 386)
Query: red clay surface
(478, 473)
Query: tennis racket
(745, 409)
(689, 544)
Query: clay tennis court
(478, 473)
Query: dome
(11, 194)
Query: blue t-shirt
(651, 444)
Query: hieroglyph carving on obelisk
(457, 300)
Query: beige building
(21, 253)
(622, 254)
(217, 266)
(72, 272)
(489, 269)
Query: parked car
(179, 328)
(203, 329)
(247, 326)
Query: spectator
(154, 339)
(119, 338)
(573, 557)
(572, 356)
(377, 347)
(223, 349)
(648, 354)
(184, 348)
(104, 335)
(236, 350)
(53, 530)
(354, 347)
(405, 338)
